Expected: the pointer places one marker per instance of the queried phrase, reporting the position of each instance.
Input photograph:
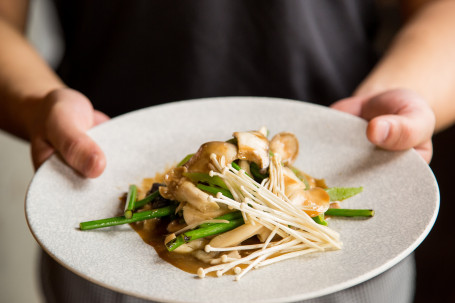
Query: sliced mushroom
(172, 180)
(200, 162)
(188, 192)
(264, 234)
(286, 145)
(193, 215)
(253, 146)
(314, 201)
(236, 236)
(201, 255)
(191, 246)
(291, 182)
(245, 166)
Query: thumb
(70, 117)
(399, 120)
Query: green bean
(130, 200)
(320, 220)
(256, 172)
(214, 190)
(237, 167)
(140, 216)
(146, 200)
(184, 160)
(343, 212)
(206, 178)
(229, 216)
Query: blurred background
(18, 249)
(19, 252)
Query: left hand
(399, 119)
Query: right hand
(60, 126)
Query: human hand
(60, 125)
(399, 119)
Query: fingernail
(383, 130)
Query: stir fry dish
(234, 206)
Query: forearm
(421, 58)
(25, 78)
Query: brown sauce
(153, 233)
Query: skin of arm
(37, 106)
(410, 92)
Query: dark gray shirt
(126, 55)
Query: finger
(399, 120)
(99, 117)
(81, 152)
(66, 130)
(351, 105)
(40, 151)
(425, 150)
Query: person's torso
(126, 55)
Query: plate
(399, 186)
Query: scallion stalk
(343, 212)
(140, 216)
(130, 200)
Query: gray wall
(18, 249)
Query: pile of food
(234, 206)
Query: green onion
(140, 216)
(256, 172)
(206, 178)
(214, 190)
(146, 200)
(229, 216)
(130, 200)
(343, 212)
(186, 159)
(236, 166)
(320, 220)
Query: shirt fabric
(126, 55)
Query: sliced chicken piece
(200, 162)
(236, 236)
(286, 145)
(253, 146)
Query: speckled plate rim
(328, 127)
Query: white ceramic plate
(399, 186)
